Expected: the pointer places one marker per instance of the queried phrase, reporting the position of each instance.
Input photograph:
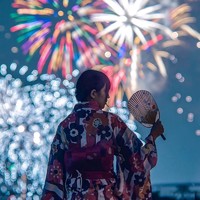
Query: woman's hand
(157, 129)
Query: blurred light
(174, 99)
(13, 66)
(14, 49)
(3, 189)
(175, 35)
(71, 18)
(7, 35)
(173, 59)
(60, 13)
(71, 85)
(19, 104)
(180, 77)
(178, 95)
(36, 138)
(190, 117)
(180, 110)
(31, 78)
(188, 99)
(182, 80)
(198, 132)
(69, 77)
(3, 69)
(23, 70)
(56, 94)
(75, 73)
(107, 54)
(198, 44)
(21, 128)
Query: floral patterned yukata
(82, 153)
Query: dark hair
(89, 80)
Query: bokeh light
(29, 115)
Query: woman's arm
(135, 154)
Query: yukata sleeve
(135, 156)
(136, 159)
(55, 177)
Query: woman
(82, 153)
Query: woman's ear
(93, 94)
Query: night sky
(179, 158)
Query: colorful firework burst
(56, 31)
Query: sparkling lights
(29, 115)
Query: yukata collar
(84, 105)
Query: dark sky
(179, 158)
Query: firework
(131, 20)
(144, 31)
(55, 31)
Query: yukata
(81, 162)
